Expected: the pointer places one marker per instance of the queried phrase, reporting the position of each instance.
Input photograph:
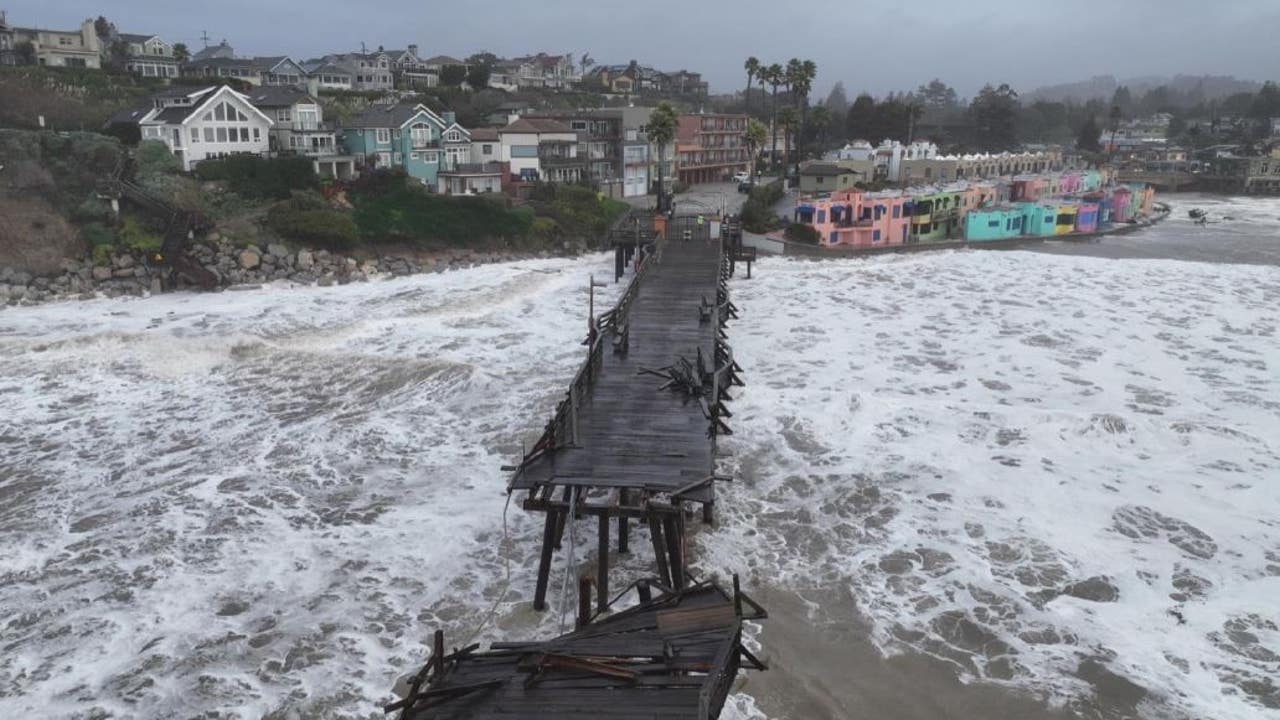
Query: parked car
(745, 186)
(742, 177)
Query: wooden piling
(659, 549)
(602, 567)
(544, 562)
(584, 601)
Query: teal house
(1038, 220)
(1000, 223)
(408, 136)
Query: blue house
(408, 136)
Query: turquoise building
(987, 224)
(1038, 220)
(408, 136)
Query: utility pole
(204, 36)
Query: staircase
(180, 226)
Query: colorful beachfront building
(851, 218)
(979, 211)
(408, 136)
(1000, 223)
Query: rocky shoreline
(129, 274)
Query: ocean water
(1026, 464)
(261, 504)
(1038, 468)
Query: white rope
(568, 569)
(506, 582)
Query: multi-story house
(328, 76)
(681, 82)
(408, 136)
(600, 136)
(369, 71)
(486, 146)
(7, 54)
(221, 50)
(542, 149)
(410, 71)
(434, 66)
(144, 55)
(711, 147)
(299, 129)
(213, 68)
(207, 123)
(546, 71)
(279, 70)
(52, 48)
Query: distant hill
(1193, 88)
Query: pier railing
(562, 430)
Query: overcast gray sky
(872, 45)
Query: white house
(486, 147)
(207, 123)
(542, 149)
(147, 55)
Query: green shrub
(305, 218)
(403, 212)
(102, 255)
(96, 234)
(138, 236)
(154, 159)
(544, 228)
(93, 209)
(801, 233)
(757, 213)
(257, 177)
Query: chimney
(449, 117)
(313, 86)
(413, 50)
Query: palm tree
(787, 119)
(752, 66)
(820, 118)
(802, 85)
(755, 136)
(662, 131)
(775, 78)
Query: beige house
(61, 48)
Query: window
(220, 112)
(397, 158)
(431, 157)
(875, 236)
(897, 211)
(222, 134)
(420, 134)
(244, 134)
(819, 180)
(195, 135)
(384, 159)
(822, 216)
(487, 149)
(257, 137)
(384, 135)
(993, 223)
(284, 114)
(208, 134)
(413, 156)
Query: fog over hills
(1193, 87)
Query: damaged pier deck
(635, 437)
(675, 656)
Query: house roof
(275, 96)
(390, 116)
(536, 125)
(128, 116)
(212, 51)
(133, 37)
(179, 115)
(826, 170)
(222, 62)
(485, 134)
(443, 60)
(325, 69)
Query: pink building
(851, 218)
(1028, 188)
(1070, 184)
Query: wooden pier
(674, 656)
(634, 439)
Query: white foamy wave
(263, 502)
(1030, 466)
